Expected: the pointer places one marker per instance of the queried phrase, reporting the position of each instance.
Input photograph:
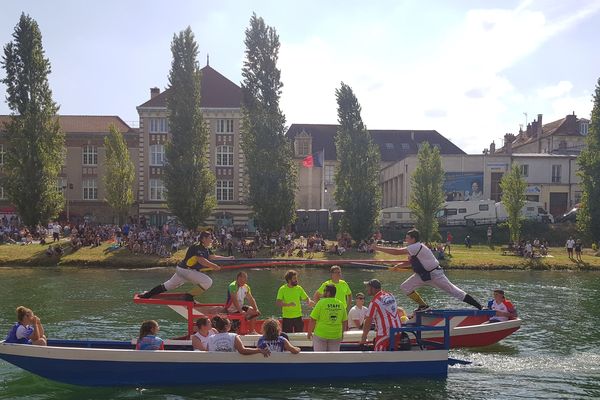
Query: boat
(468, 328)
(114, 363)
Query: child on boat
(204, 330)
(230, 342)
(148, 339)
(28, 329)
(272, 339)
(503, 307)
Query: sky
(472, 70)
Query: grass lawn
(477, 257)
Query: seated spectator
(204, 330)
(229, 342)
(28, 329)
(272, 339)
(528, 250)
(58, 250)
(50, 251)
(504, 308)
(357, 314)
(148, 339)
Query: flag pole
(323, 181)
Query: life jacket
(150, 342)
(418, 267)
(12, 335)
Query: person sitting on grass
(228, 341)
(273, 340)
(28, 329)
(148, 339)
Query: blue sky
(469, 69)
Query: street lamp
(66, 199)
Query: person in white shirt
(357, 314)
(570, 244)
(427, 272)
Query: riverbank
(476, 257)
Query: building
(564, 136)
(81, 177)
(220, 102)
(316, 185)
(551, 178)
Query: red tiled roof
(390, 142)
(567, 126)
(84, 123)
(216, 91)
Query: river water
(556, 353)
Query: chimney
(492, 147)
(539, 126)
(508, 140)
(154, 92)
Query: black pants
(291, 325)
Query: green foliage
(513, 198)
(357, 174)
(120, 174)
(189, 181)
(35, 142)
(269, 159)
(427, 195)
(588, 215)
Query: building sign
(463, 186)
(533, 190)
(496, 166)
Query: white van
(397, 217)
(532, 210)
(467, 213)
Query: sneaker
(422, 309)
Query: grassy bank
(477, 257)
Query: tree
(427, 195)
(357, 189)
(120, 174)
(189, 182)
(588, 215)
(513, 198)
(269, 159)
(34, 140)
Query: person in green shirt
(343, 292)
(329, 320)
(289, 298)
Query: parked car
(570, 216)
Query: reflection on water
(554, 355)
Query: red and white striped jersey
(383, 310)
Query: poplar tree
(120, 174)
(513, 198)
(270, 166)
(188, 179)
(427, 193)
(35, 143)
(357, 189)
(588, 215)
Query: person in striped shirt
(383, 310)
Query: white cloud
(457, 87)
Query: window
(224, 126)
(389, 146)
(405, 146)
(386, 215)
(224, 156)
(157, 154)
(157, 190)
(329, 174)
(302, 147)
(224, 190)
(451, 211)
(90, 155)
(462, 210)
(159, 125)
(556, 173)
(525, 170)
(2, 153)
(484, 207)
(90, 189)
(583, 127)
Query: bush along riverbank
(460, 257)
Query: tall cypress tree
(269, 158)
(189, 182)
(35, 142)
(588, 216)
(120, 174)
(427, 193)
(513, 198)
(357, 189)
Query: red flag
(308, 161)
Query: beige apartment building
(220, 102)
(81, 177)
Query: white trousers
(320, 344)
(438, 280)
(183, 275)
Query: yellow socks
(414, 296)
